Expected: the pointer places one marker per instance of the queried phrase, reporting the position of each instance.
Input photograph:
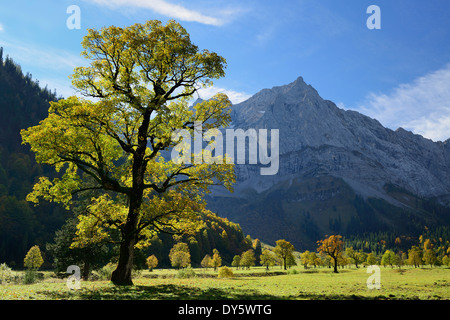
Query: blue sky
(399, 74)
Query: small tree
(429, 257)
(415, 256)
(356, 256)
(152, 262)
(267, 258)
(179, 255)
(304, 258)
(283, 250)
(6, 274)
(389, 258)
(446, 261)
(91, 256)
(371, 260)
(331, 246)
(33, 260)
(206, 262)
(290, 261)
(216, 260)
(248, 259)
(236, 261)
(314, 259)
(257, 247)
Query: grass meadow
(296, 284)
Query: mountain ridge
(319, 123)
(320, 141)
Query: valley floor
(298, 284)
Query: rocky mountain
(339, 171)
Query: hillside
(22, 103)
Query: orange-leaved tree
(333, 247)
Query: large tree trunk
(122, 274)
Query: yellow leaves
(103, 214)
(33, 259)
(41, 188)
(143, 76)
(127, 63)
(331, 245)
(172, 211)
(109, 210)
(217, 110)
(58, 190)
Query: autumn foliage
(333, 247)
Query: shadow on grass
(179, 292)
(162, 292)
(314, 296)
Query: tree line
(282, 254)
(331, 252)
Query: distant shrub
(186, 273)
(105, 272)
(30, 277)
(293, 271)
(225, 272)
(6, 274)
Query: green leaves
(33, 260)
(145, 65)
(142, 77)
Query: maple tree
(137, 87)
(284, 250)
(333, 247)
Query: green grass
(320, 283)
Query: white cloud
(48, 58)
(1, 28)
(234, 96)
(422, 106)
(167, 9)
(51, 66)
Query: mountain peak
(296, 88)
(331, 162)
(307, 122)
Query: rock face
(316, 140)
